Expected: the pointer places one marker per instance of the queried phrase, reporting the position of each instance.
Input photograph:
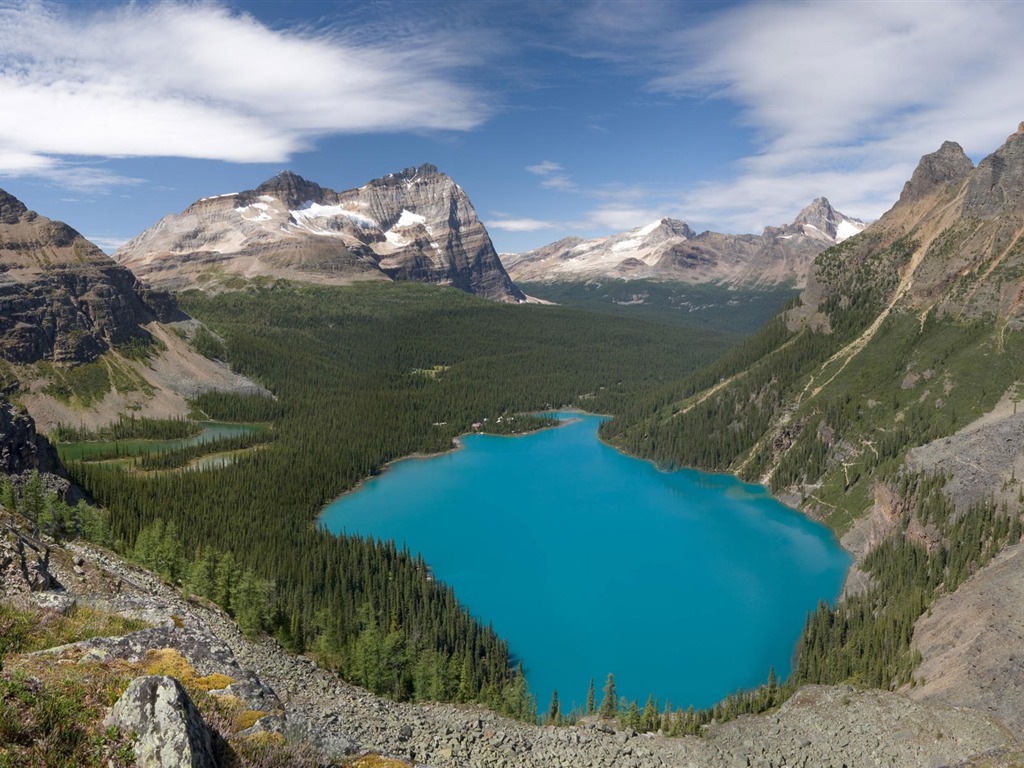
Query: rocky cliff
(61, 298)
(414, 225)
(668, 249)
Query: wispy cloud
(619, 218)
(522, 225)
(845, 97)
(198, 80)
(107, 243)
(553, 176)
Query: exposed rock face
(414, 225)
(997, 186)
(948, 164)
(972, 643)
(61, 297)
(19, 444)
(171, 732)
(24, 563)
(669, 249)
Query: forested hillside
(362, 376)
(906, 335)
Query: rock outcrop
(949, 163)
(21, 449)
(414, 225)
(669, 249)
(997, 185)
(170, 731)
(24, 563)
(61, 298)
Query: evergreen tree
(554, 711)
(610, 701)
(591, 700)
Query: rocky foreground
(292, 698)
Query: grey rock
(61, 297)
(948, 163)
(997, 186)
(171, 732)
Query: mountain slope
(886, 405)
(668, 249)
(64, 299)
(414, 225)
(82, 340)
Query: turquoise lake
(682, 584)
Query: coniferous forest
(361, 377)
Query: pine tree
(609, 703)
(554, 711)
(591, 700)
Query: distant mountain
(63, 299)
(669, 249)
(414, 225)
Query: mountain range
(885, 404)
(414, 225)
(669, 250)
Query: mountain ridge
(64, 299)
(417, 225)
(669, 249)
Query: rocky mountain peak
(820, 220)
(819, 213)
(11, 208)
(413, 225)
(947, 164)
(669, 227)
(64, 299)
(290, 188)
(997, 185)
(424, 172)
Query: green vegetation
(47, 512)
(86, 384)
(51, 714)
(128, 429)
(346, 366)
(865, 639)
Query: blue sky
(557, 118)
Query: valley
(870, 402)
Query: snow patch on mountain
(314, 216)
(848, 228)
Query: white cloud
(522, 225)
(553, 176)
(618, 218)
(108, 244)
(544, 168)
(844, 98)
(197, 80)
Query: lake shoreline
(552, 509)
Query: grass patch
(35, 629)
(76, 385)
